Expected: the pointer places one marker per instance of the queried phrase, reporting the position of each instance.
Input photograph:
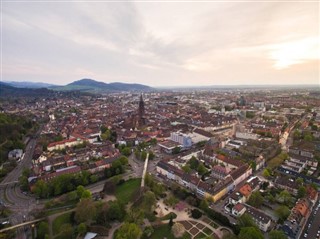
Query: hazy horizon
(162, 44)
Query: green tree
(86, 194)
(82, 228)
(250, 233)
(256, 199)
(276, 234)
(285, 196)
(41, 189)
(151, 155)
(195, 213)
(149, 200)
(176, 150)
(186, 168)
(302, 191)
(143, 155)
(245, 220)
(116, 211)
(299, 181)
(66, 231)
(170, 224)
(193, 162)
(80, 190)
(296, 134)
(204, 205)
(282, 212)
(202, 169)
(85, 211)
(135, 215)
(126, 151)
(123, 160)
(43, 230)
(128, 231)
(266, 173)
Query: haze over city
(161, 43)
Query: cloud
(167, 43)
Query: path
(183, 216)
(53, 217)
(144, 170)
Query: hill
(7, 90)
(100, 87)
(27, 84)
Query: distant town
(221, 163)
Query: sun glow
(297, 52)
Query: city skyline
(161, 43)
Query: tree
(135, 215)
(186, 168)
(147, 232)
(282, 212)
(94, 178)
(266, 173)
(149, 200)
(143, 155)
(66, 231)
(302, 191)
(196, 214)
(116, 210)
(204, 205)
(82, 229)
(85, 211)
(80, 190)
(178, 230)
(176, 150)
(245, 220)
(296, 134)
(126, 151)
(285, 196)
(256, 199)
(276, 234)
(202, 169)
(109, 187)
(103, 214)
(193, 162)
(86, 194)
(41, 189)
(299, 181)
(250, 233)
(43, 229)
(170, 224)
(128, 231)
(151, 155)
(123, 160)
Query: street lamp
(32, 230)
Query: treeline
(69, 182)
(13, 130)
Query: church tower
(141, 112)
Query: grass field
(125, 191)
(59, 221)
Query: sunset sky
(162, 43)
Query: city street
(312, 227)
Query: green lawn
(125, 191)
(163, 231)
(59, 221)
(201, 236)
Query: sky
(159, 43)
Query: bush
(196, 214)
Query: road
(11, 195)
(312, 228)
